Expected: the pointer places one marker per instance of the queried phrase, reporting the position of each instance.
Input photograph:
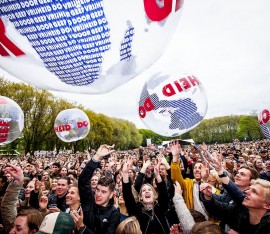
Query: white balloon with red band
(71, 125)
(84, 46)
(11, 120)
(172, 103)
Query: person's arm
(235, 193)
(127, 192)
(10, 199)
(223, 211)
(183, 213)
(139, 178)
(85, 191)
(176, 174)
(33, 201)
(163, 197)
(139, 181)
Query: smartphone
(53, 205)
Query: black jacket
(97, 219)
(237, 216)
(150, 222)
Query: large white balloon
(264, 117)
(172, 103)
(81, 45)
(11, 120)
(71, 125)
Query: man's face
(55, 169)
(251, 158)
(267, 166)
(255, 197)
(73, 196)
(102, 195)
(197, 171)
(264, 155)
(242, 178)
(62, 187)
(32, 168)
(139, 163)
(241, 159)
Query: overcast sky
(226, 44)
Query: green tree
(249, 128)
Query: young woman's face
(147, 195)
(54, 184)
(131, 174)
(29, 187)
(20, 226)
(259, 164)
(94, 181)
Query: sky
(226, 44)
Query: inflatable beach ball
(71, 125)
(11, 120)
(171, 104)
(84, 46)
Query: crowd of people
(180, 189)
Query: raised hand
(163, 161)
(127, 165)
(204, 147)
(15, 172)
(176, 229)
(145, 165)
(43, 202)
(206, 189)
(156, 172)
(102, 151)
(217, 165)
(175, 150)
(231, 231)
(205, 171)
(78, 218)
(177, 188)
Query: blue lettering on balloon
(71, 37)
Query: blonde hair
(206, 227)
(215, 176)
(129, 226)
(266, 185)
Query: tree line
(40, 109)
